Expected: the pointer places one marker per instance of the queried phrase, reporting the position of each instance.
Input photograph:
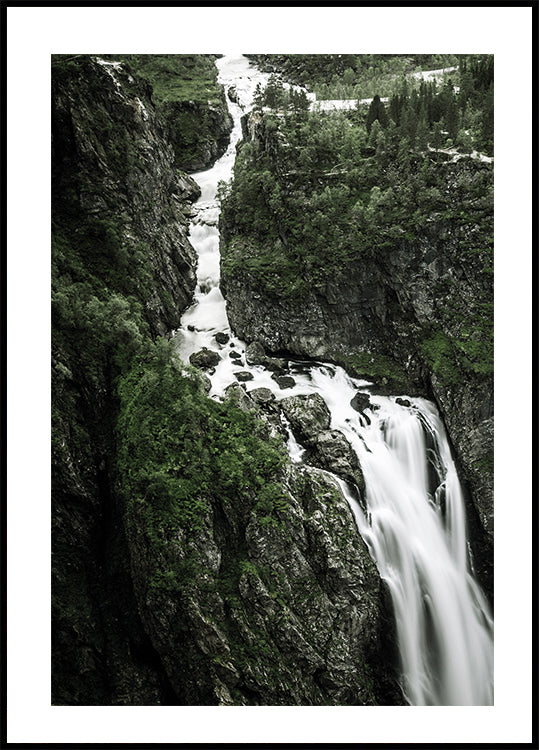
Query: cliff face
(122, 267)
(198, 131)
(112, 165)
(392, 316)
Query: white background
(33, 34)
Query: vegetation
(462, 104)
(178, 449)
(351, 76)
(314, 192)
(176, 77)
(129, 428)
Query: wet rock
(233, 94)
(360, 402)
(244, 375)
(222, 338)
(283, 381)
(336, 455)
(308, 416)
(262, 396)
(256, 355)
(235, 355)
(236, 393)
(402, 401)
(205, 358)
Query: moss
(376, 367)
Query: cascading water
(412, 517)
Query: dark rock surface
(113, 173)
(335, 454)
(283, 381)
(255, 355)
(360, 402)
(205, 358)
(288, 612)
(184, 118)
(308, 416)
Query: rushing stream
(413, 518)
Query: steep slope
(122, 269)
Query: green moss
(177, 77)
(439, 352)
(376, 367)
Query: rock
(205, 358)
(336, 455)
(233, 94)
(402, 401)
(235, 355)
(283, 381)
(222, 338)
(236, 393)
(255, 355)
(262, 396)
(308, 416)
(360, 402)
(244, 376)
(206, 382)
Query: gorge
(282, 522)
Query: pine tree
(377, 111)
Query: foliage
(314, 194)
(179, 452)
(351, 76)
(176, 77)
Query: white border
(32, 35)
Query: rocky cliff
(192, 564)
(198, 131)
(412, 314)
(122, 268)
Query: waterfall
(412, 518)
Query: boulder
(360, 402)
(262, 396)
(235, 355)
(205, 358)
(236, 393)
(335, 454)
(244, 375)
(308, 416)
(222, 338)
(255, 355)
(402, 401)
(283, 381)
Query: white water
(413, 516)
